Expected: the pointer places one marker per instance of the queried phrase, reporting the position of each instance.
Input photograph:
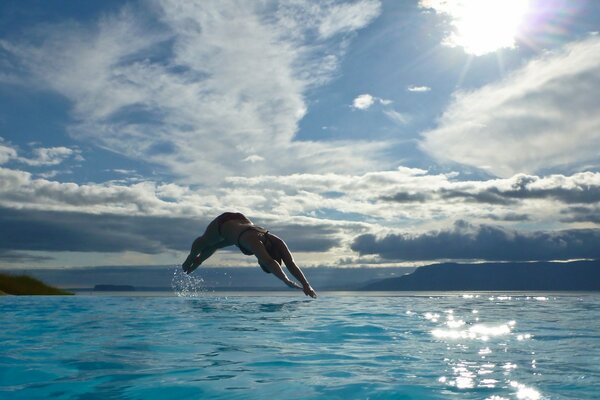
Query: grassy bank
(26, 285)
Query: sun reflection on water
(477, 331)
(485, 366)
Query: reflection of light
(464, 378)
(478, 331)
(523, 337)
(432, 317)
(485, 350)
(524, 392)
(464, 382)
(488, 383)
(455, 323)
(508, 366)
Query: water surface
(476, 346)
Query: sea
(196, 344)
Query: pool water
(351, 346)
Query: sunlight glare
(482, 26)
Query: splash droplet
(187, 285)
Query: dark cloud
(310, 238)
(65, 231)
(581, 214)
(407, 197)
(488, 196)
(14, 256)
(483, 242)
(509, 217)
(522, 189)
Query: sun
(482, 26)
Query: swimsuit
(266, 241)
(230, 216)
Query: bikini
(229, 216)
(266, 241)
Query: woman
(235, 229)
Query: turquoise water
(480, 346)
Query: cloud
(206, 87)
(397, 117)
(582, 214)
(418, 89)
(9, 256)
(483, 242)
(542, 117)
(510, 216)
(39, 230)
(425, 197)
(7, 153)
(62, 231)
(49, 156)
(348, 17)
(253, 158)
(365, 101)
(580, 188)
(318, 213)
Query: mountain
(538, 276)
(26, 285)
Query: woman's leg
(251, 240)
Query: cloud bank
(541, 117)
(483, 242)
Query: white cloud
(48, 156)
(253, 158)
(365, 101)
(415, 88)
(348, 17)
(7, 153)
(398, 118)
(543, 116)
(231, 77)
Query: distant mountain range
(538, 276)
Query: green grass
(26, 285)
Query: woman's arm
(206, 253)
(288, 259)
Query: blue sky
(364, 133)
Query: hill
(26, 285)
(539, 276)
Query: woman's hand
(309, 291)
(293, 284)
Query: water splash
(185, 285)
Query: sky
(365, 133)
